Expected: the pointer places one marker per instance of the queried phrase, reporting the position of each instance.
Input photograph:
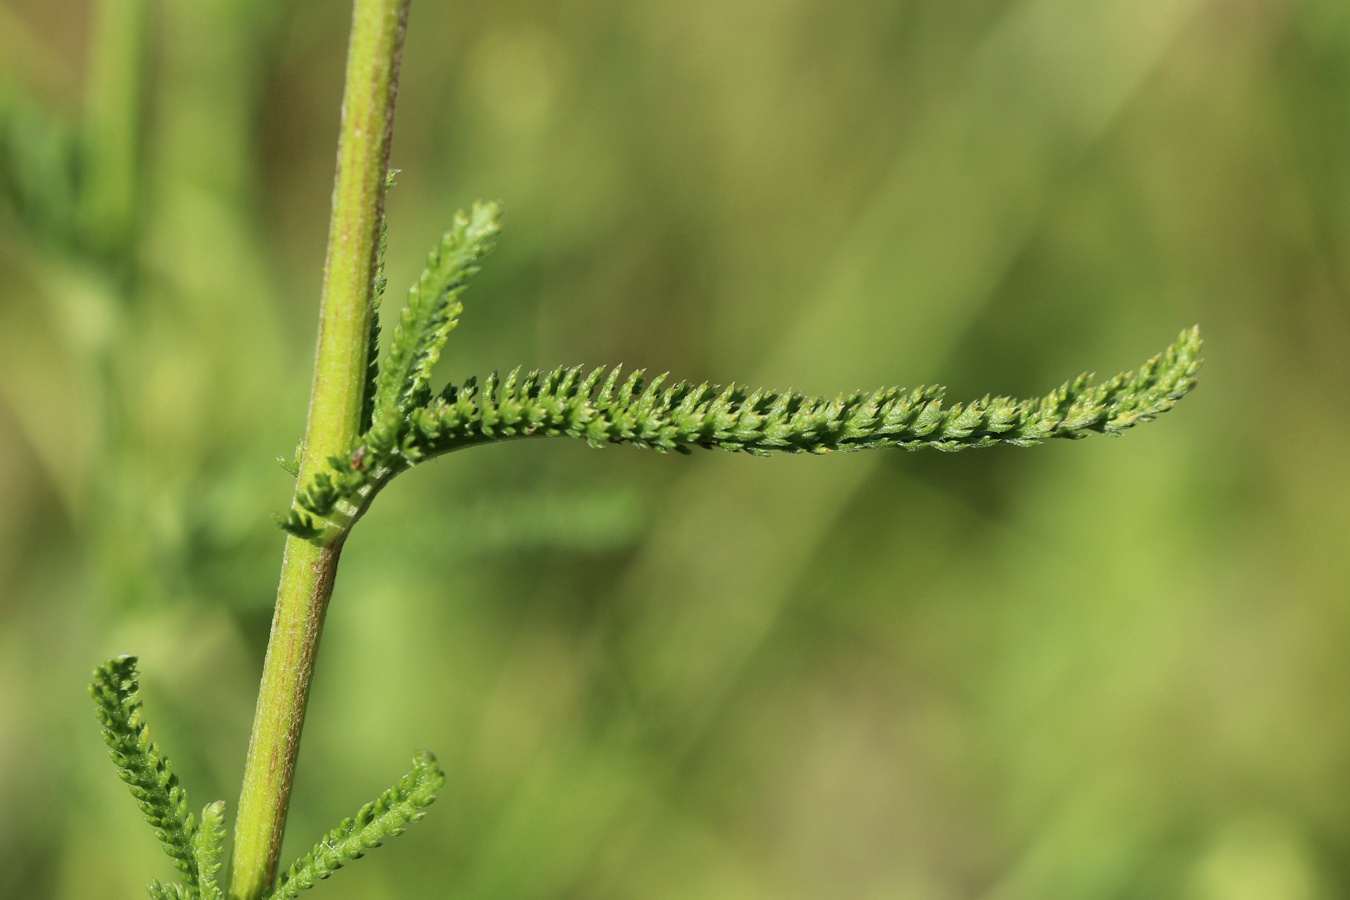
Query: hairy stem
(308, 571)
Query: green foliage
(402, 423)
(647, 414)
(401, 382)
(389, 815)
(141, 764)
(431, 313)
(39, 171)
(208, 845)
(373, 344)
(195, 849)
(601, 406)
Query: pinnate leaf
(195, 849)
(602, 406)
(431, 312)
(141, 764)
(389, 815)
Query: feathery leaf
(142, 766)
(208, 845)
(373, 343)
(600, 410)
(402, 381)
(161, 891)
(390, 815)
(431, 312)
(376, 300)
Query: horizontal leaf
(603, 407)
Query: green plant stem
(308, 571)
(112, 142)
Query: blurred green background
(1110, 669)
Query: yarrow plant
(374, 413)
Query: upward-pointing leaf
(431, 313)
(141, 765)
(373, 343)
(208, 845)
(389, 815)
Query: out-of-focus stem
(112, 141)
